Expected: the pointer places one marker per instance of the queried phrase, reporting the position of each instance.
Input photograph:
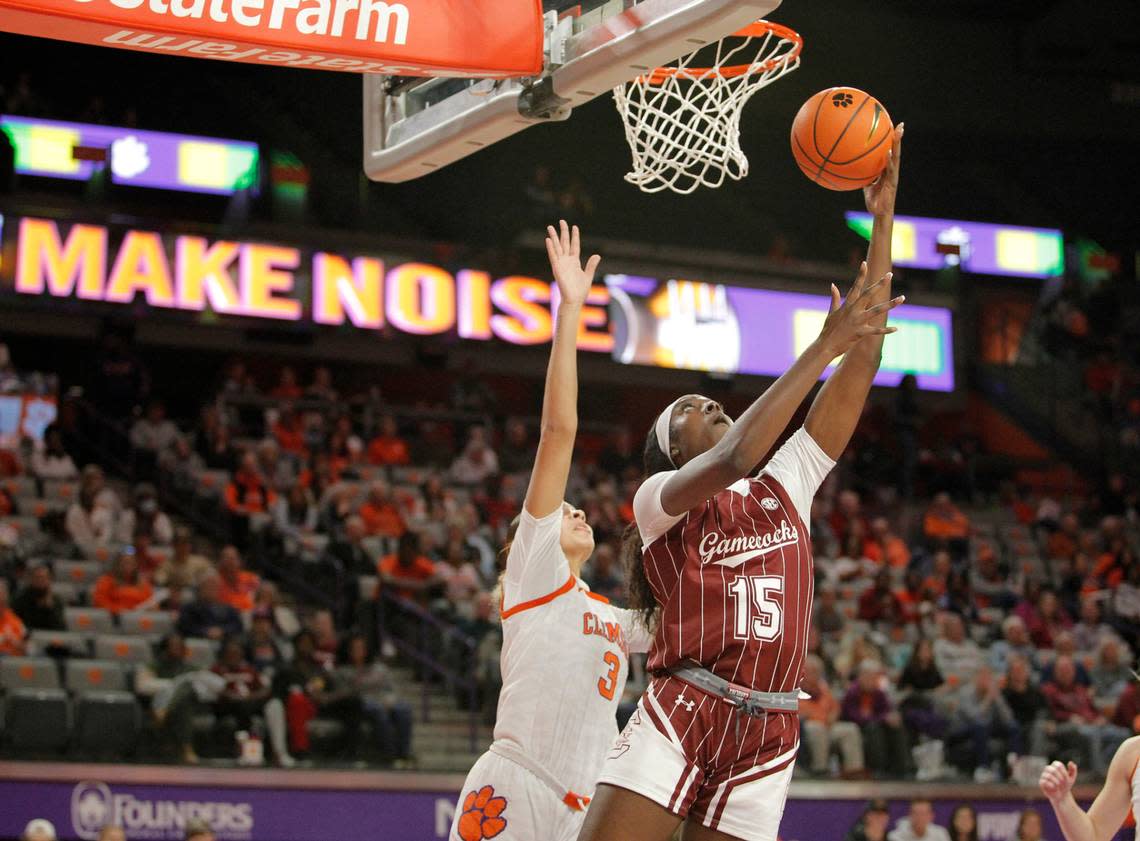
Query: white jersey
(1136, 795)
(564, 661)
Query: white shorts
(747, 805)
(504, 801)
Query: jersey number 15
(758, 615)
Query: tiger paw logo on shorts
(481, 815)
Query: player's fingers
(592, 265)
(885, 306)
(834, 299)
(553, 240)
(551, 251)
(887, 278)
(565, 236)
(876, 331)
(1072, 769)
(860, 281)
(575, 241)
(896, 146)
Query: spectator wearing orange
(238, 585)
(388, 447)
(287, 387)
(822, 729)
(247, 492)
(1064, 541)
(290, 432)
(944, 524)
(12, 630)
(123, 588)
(380, 513)
(407, 571)
(885, 546)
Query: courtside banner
(482, 38)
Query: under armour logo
(688, 705)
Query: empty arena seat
(28, 673)
(37, 719)
(123, 649)
(67, 592)
(201, 653)
(368, 585)
(60, 643)
(60, 491)
(152, 623)
(88, 620)
(107, 722)
(79, 573)
(94, 675)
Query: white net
(683, 121)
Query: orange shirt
(12, 633)
(898, 555)
(384, 450)
(239, 594)
(113, 595)
(421, 569)
(822, 707)
(951, 526)
(382, 519)
(248, 495)
(291, 439)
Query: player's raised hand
(850, 320)
(564, 248)
(1057, 780)
(880, 194)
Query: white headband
(661, 429)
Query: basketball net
(683, 122)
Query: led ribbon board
(491, 38)
(977, 247)
(729, 329)
(54, 149)
(639, 320)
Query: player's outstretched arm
(560, 399)
(1108, 811)
(755, 431)
(836, 409)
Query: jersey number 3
(608, 682)
(758, 615)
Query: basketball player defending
(723, 557)
(1108, 812)
(565, 649)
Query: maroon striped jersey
(734, 575)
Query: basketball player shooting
(565, 650)
(723, 564)
(1110, 809)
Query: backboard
(415, 126)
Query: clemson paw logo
(843, 100)
(481, 818)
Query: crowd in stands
(313, 535)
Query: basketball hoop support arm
(406, 137)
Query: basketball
(841, 137)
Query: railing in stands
(430, 633)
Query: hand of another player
(1057, 780)
(564, 249)
(880, 194)
(850, 321)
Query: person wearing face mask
(145, 518)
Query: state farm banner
(481, 38)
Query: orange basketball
(840, 138)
